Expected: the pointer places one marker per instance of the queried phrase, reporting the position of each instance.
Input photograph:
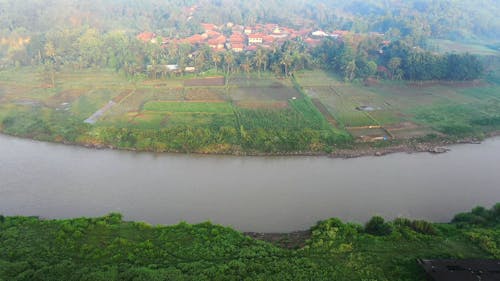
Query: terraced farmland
(311, 112)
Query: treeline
(354, 56)
(85, 47)
(108, 248)
(397, 61)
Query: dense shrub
(419, 226)
(479, 216)
(377, 226)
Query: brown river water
(263, 194)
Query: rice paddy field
(401, 110)
(316, 101)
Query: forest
(109, 248)
(87, 35)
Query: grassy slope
(109, 249)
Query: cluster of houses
(244, 38)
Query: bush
(419, 226)
(113, 218)
(377, 226)
(496, 211)
(479, 216)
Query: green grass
(108, 248)
(294, 124)
(300, 115)
(192, 107)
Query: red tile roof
(195, 39)
(146, 36)
(209, 26)
(252, 48)
(267, 38)
(216, 41)
(212, 33)
(238, 46)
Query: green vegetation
(205, 107)
(109, 248)
(314, 111)
(382, 75)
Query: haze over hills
(458, 20)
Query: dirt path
(321, 107)
(99, 113)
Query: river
(264, 194)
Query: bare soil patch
(407, 130)
(368, 133)
(255, 104)
(201, 94)
(278, 93)
(208, 81)
(121, 96)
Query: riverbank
(358, 149)
(260, 194)
(109, 248)
(313, 114)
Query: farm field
(314, 111)
(461, 47)
(192, 114)
(400, 110)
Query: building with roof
(255, 38)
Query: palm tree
(216, 59)
(50, 54)
(286, 61)
(229, 61)
(260, 59)
(246, 66)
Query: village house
(237, 47)
(217, 43)
(247, 30)
(255, 39)
(319, 33)
(146, 37)
(237, 42)
(245, 38)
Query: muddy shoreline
(361, 149)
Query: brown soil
(121, 96)
(280, 93)
(202, 94)
(262, 104)
(209, 81)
